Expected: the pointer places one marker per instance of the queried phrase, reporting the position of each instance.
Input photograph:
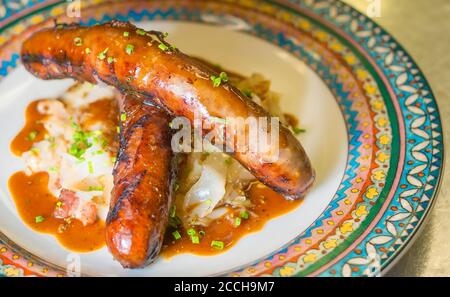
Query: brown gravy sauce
(31, 194)
(267, 205)
(32, 199)
(22, 143)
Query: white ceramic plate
(374, 134)
(303, 94)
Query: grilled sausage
(142, 62)
(141, 196)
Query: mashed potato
(75, 153)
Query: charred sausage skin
(141, 195)
(141, 62)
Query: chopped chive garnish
(50, 139)
(298, 130)
(59, 204)
(81, 142)
(218, 245)
(173, 211)
(176, 235)
(202, 233)
(78, 41)
(102, 55)
(237, 222)
(247, 93)
(90, 167)
(94, 139)
(110, 60)
(123, 117)
(191, 232)
(163, 47)
(244, 214)
(165, 34)
(195, 239)
(32, 135)
(208, 202)
(35, 150)
(96, 188)
(129, 49)
(39, 219)
(218, 80)
(126, 33)
(53, 169)
(223, 76)
(140, 32)
(87, 50)
(75, 151)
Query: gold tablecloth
(423, 28)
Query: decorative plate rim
(315, 7)
(416, 231)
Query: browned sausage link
(141, 198)
(119, 54)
